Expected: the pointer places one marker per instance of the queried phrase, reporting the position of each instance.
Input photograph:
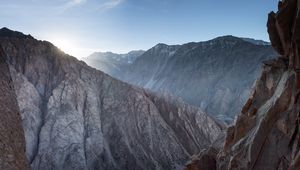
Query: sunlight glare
(64, 45)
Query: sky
(81, 27)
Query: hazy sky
(81, 27)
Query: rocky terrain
(266, 134)
(76, 117)
(12, 141)
(111, 63)
(215, 75)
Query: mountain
(266, 134)
(111, 63)
(76, 117)
(256, 42)
(12, 140)
(215, 75)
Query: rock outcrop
(76, 117)
(12, 141)
(266, 134)
(215, 75)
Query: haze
(80, 27)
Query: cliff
(76, 117)
(12, 141)
(266, 133)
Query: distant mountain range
(112, 63)
(256, 42)
(215, 75)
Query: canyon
(59, 113)
(76, 117)
(215, 75)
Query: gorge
(56, 112)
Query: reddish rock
(273, 33)
(266, 134)
(12, 141)
(206, 160)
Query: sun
(65, 45)
(71, 47)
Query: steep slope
(76, 117)
(111, 63)
(12, 141)
(216, 75)
(266, 134)
(256, 42)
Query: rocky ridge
(266, 134)
(111, 63)
(215, 75)
(76, 117)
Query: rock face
(266, 134)
(205, 160)
(111, 63)
(12, 141)
(76, 117)
(262, 135)
(215, 75)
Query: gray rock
(76, 117)
(215, 75)
(30, 104)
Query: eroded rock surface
(262, 132)
(76, 117)
(12, 141)
(266, 134)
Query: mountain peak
(230, 38)
(233, 39)
(5, 32)
(227, 38)
(160, 45)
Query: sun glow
(65, 45)
(71, 47)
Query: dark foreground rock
(12, 141)
(266, 134)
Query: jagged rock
(12, 142)
(266, 132)
(273, 33)
(76, 117)
(283, 28)
(205, 160)
(244, 150)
